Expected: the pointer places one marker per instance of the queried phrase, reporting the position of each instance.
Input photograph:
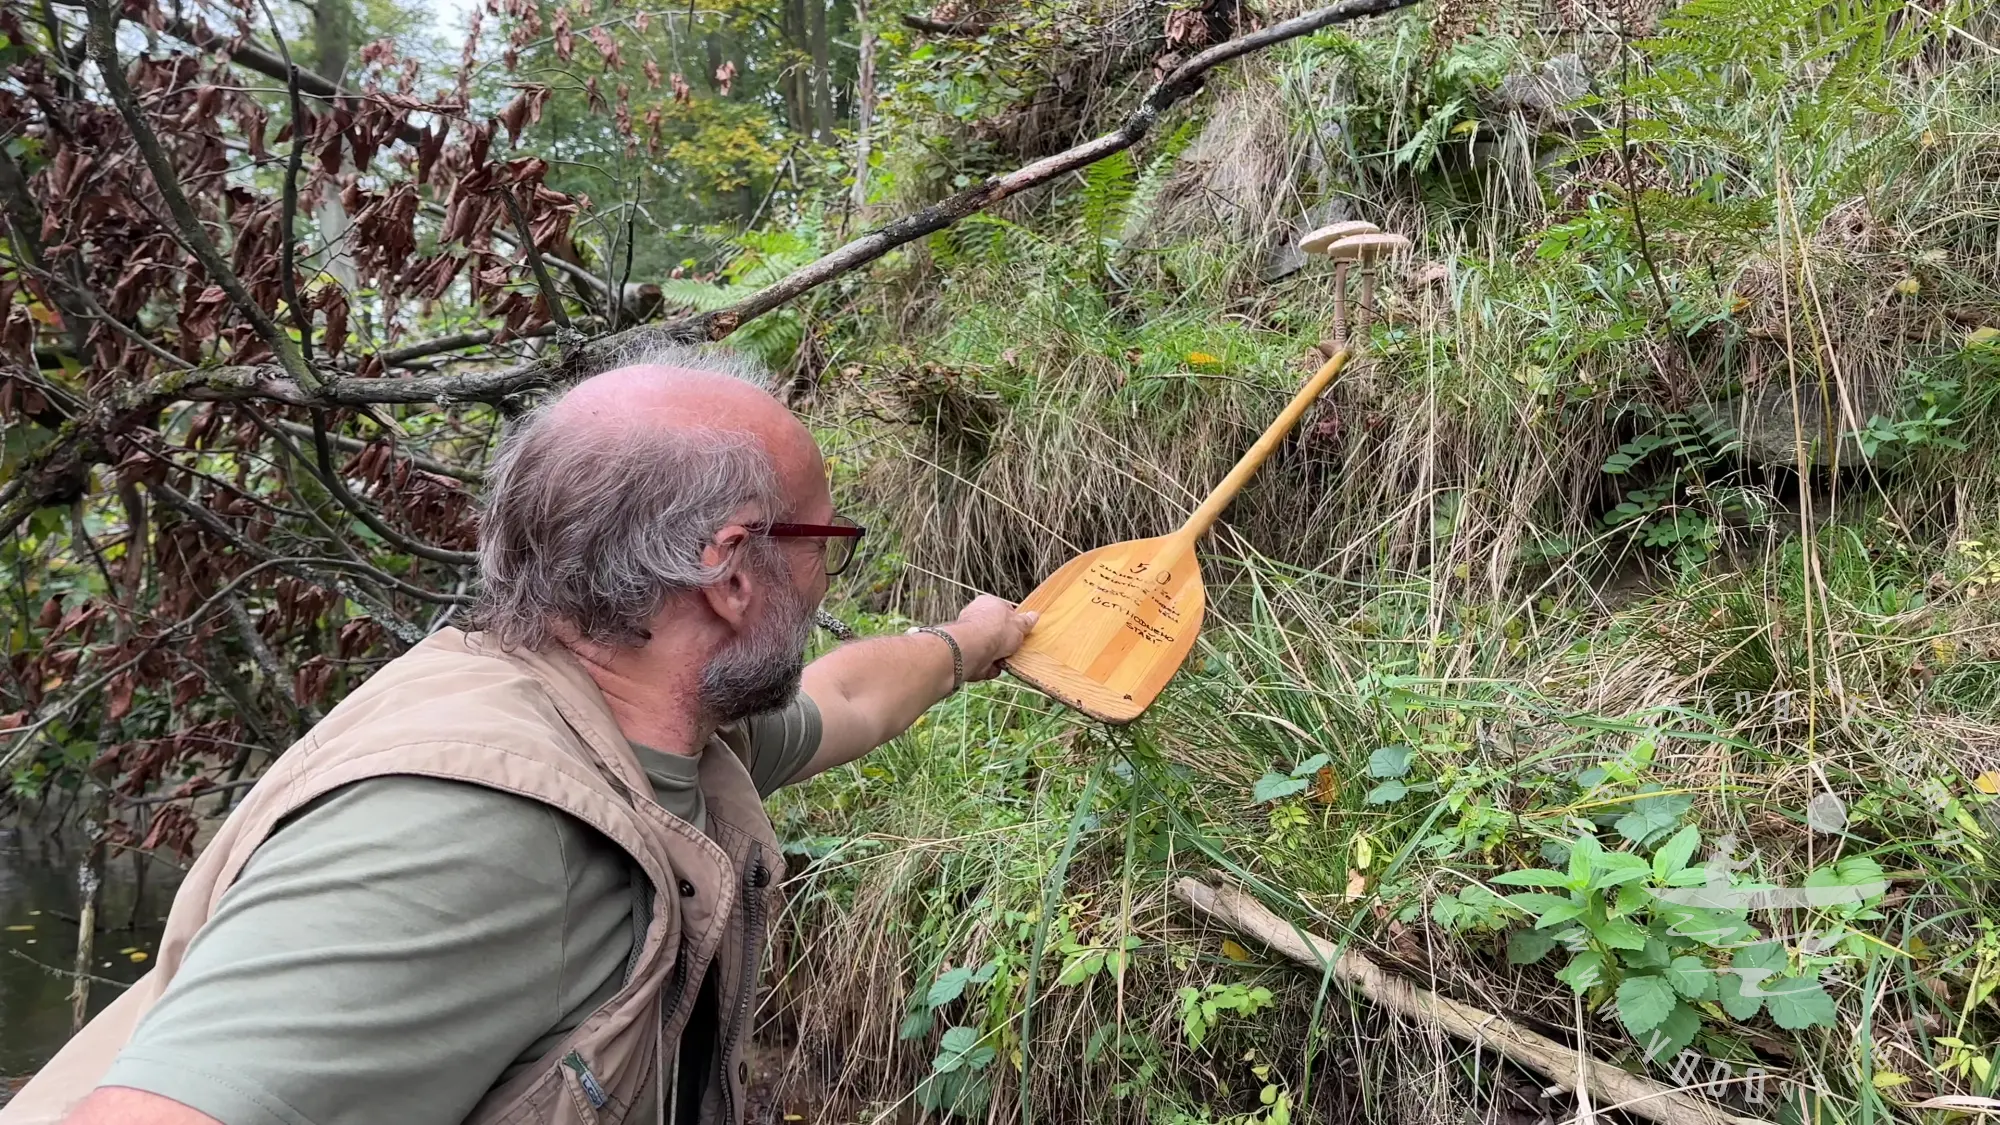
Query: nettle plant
(1667, 941)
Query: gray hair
(590, 533)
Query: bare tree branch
(288, 216)
(550, 296)
(213, 524)
(945, 27)
(26, 218)
(355, 445)
(104, 48)
(58, 470)
(329, 475)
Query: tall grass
(1694, 523)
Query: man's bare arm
(117, 1105)
(868, 692)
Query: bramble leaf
(1644, 1002)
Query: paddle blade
(1115, 625)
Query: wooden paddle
(1117, 622)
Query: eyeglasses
(843, 539)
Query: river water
(38, 906)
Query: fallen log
(1606, 1086)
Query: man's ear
(729, 596)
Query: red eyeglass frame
(817, 531)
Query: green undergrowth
(1612, 649)
(1742, 847)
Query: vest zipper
(753, 941)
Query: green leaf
(1722, 929)
(1692, 978)
(1386, 792)
(1673, 1036)
(1734, 1000)
(1653, 817)
(948, 987)
(1311, 765)
(1561, 912)
(1796, 1003)
(1584, 971)
(1654, 956)
(1536, 902)
(1390, 761)
(1525, 947)
(1081, 968)
(960, 1047)
(1274, 785)
(1620, 933)
(1763, 955)
(987, 970)
(916, 1025)
(1533, 877)
(1617, 868)
(1742, 991)
(1673, 856)
(1644, 1002)
(1583, 857)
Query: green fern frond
(1107, 187)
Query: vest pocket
(586, 1094)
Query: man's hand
(989, 629)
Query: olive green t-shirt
(403, 944)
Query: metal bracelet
(957, 655)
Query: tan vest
(533, 724)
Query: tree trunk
(822, 72)
(89, 885)
(864, 104)
(714, 63)
(333, 35)
(798, 87)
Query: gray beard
(759, 672)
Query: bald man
(442, 908)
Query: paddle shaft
(1211, 509)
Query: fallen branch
(945, 27)
(1606, 1085)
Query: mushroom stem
(1365, 313)
(1340, 303)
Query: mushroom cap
(1319, 240)
(1367, 247)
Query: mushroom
(1364, 249)
(1319, 242)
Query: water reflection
(38, 932)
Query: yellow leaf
(1234, 950)
(1928, 140)
(1364, 851)
(1982, 337)
(19, 929)
(138, 955)
(1200, 359)
(1464, 127)
(1988, 782)
(129, 950)
(1888, 1079)
(1909, 287)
